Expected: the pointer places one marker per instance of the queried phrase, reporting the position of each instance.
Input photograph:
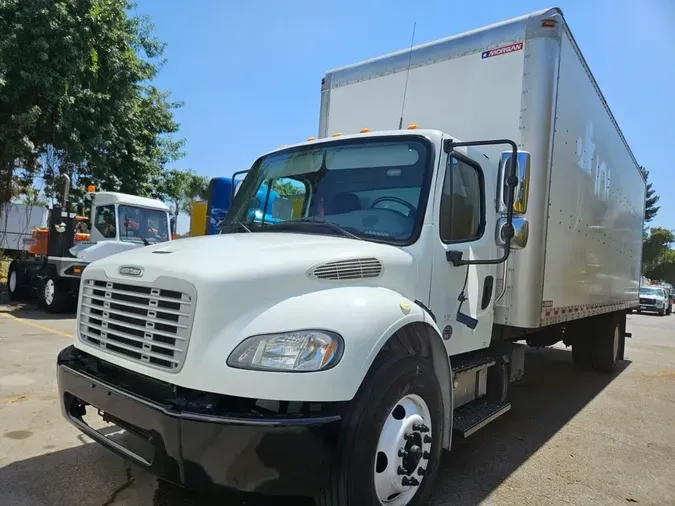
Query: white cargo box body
(17, 222)
(525, 80)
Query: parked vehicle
(62, 250)
(670, 293)
(654, 299)
(337, 351)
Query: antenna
(407, 76)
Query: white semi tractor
(118, 221)
(335, 351)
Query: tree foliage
(286, 188)
(76, 97)
(180, 188)
(651, 198)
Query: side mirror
(521, 233)
(522, 188)
(508, 183)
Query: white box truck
(334, 349)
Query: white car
(653, 299)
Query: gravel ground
(570, 437)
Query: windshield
(657, 292)
(373, 189)
(138, 223)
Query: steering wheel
(398, 201)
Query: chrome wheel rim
(403, 451)
(12, 282)
(615, 344)
(50, 288)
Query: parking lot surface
(570, 437)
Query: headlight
(301, 351)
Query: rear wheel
(15, 282)
(609, 344)
(392, 437)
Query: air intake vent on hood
(358, 268)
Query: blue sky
(249, 73)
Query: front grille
(646, 302)
(148, 324)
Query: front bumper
(649, 305)
(197, 445)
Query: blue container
(218, 203)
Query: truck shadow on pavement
(550, 394)
(34, 312)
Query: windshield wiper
(314, 221)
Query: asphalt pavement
(570, 437)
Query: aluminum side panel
(521, 304)
(596, 204)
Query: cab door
(462, 296)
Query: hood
(652, 297)
(246, 256)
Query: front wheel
(392, 437)
(55, 297)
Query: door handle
(488, 285)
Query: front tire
(54, 295)
(391, 440)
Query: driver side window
(461, 208)
(105, 221)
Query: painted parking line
(29, 323)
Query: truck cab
(120, 222)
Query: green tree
(651, 198)
(180, 188)
(286, 188)
(655, 249)
(76, 97)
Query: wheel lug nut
(427, 439)
(401, 471)
(402, 452)
(421, 471)
(414, 482)
(426, 456)
(405, 482)
(409, 437)
(409, 482)
(420, 427)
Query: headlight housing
(299, 351)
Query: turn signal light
(336, 134)
(365, 130)
(412, 126)
(91, 188)
(309, 139)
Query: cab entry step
(477, 414)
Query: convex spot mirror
(521, 229)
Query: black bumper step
(477, 414)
